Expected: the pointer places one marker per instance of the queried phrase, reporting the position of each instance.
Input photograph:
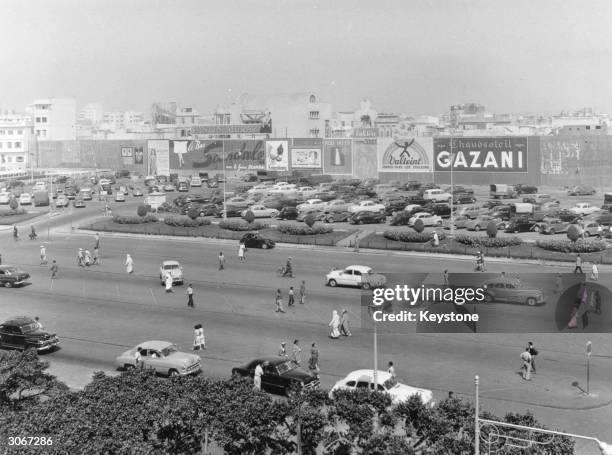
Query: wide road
(100, 311)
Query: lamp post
(224, 180)
(452, 202)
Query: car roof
(19, 321)
(368, 375)
(170, 262)
(154, 344)
(361, 268)
(503, 280)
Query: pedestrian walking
(594, 272)
(190, 296)
(335, 326)
(436, 239)
(356, 249)
(97, 241)
(96, 257)
(445, 279)
(526, 369)
(200, 338)
(296, 352)
(43, 255)
(282, 352)
(168, 281)
(558, 283)
(533, 352)
(221, 261)
(345, 329)
(87, 258)
(291, 297)
(257, 377)
(303, 292)
(138, 357)
(129, 264)
(279, 302)
(54, 270)
(578, 264)
(241, 250)
(313, 361)
(80, 258)
(391, 370)
(15, 233)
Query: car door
(270, 380)
(511, 294)
(346, 277)
(357, 278)
(7, 336)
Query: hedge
(297, 229)
(185, 221)
(477, 241)
(239, 225)
(567, 246)
(133, 219)
(410, 236)
(11, 212)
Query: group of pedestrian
(528, 358)
(340, 325)
(84, 256)
(594, 268)
(199, 340)
(296, 355)
(278, 300)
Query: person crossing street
(43, 255)
(190, 296)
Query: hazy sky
(407, 56)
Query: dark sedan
(395, 205)
(520, 225)
(288, 213)
(368, 217)
(23, 332)
(11, 276)
(252, 240)
(337, 217)
(280, 375)
(203, 209)
(78, 203)
(230, 212)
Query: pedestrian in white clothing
(199, 341)
(335, 325)
(168, 281)
(241, 250)
(129, 264)
(43, 255)
(594, 272)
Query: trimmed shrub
(249, 217)
(409, 236)
(13, 204)
(569, 246)
(185, 221)
(400, 218)
(240, 225)
(573, 233)
(309, 220)
(297, 229)
(142, 210)
(492, 230)
(487, 242)
(11, 212)
(419, 226)
(129, 219)
(193, 213)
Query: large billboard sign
(158, 157)
(337, 157)
(277, 155)
(480, 154)
(307, 153)
(211, 155)
(405, 155)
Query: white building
(54, 119)
(91, 114)
(15, 140)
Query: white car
(258, 189)
(359, 276)
(174, 269)
(119, 197)
(39, 186)
(399, 393)
(427, 218)
(315, 204)
(25, 199)
(161, 356)
(306, 192)
(5, 198)
(436, 194)
(337, 205)
(169, 187)
(260, 211)
(584, 208)
(195, 181)
(366, 206)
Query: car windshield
(390, 383)
(171, 266)
(169, 350)
(285, 367)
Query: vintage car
(511, 290)
(169, 187)
(173, 268)
(317, 213)
(230, 211)
(369, 206)
(581, 190)
(584, 208)
(288, 213)
(336, 217)
(119, 197)
(11, 276)
(78, 203)
(551, 226)
(281, 375)
(367, 217)
(520, 224)
(522, 188)
(481, 222)
(61, 201)
(260, 211)
(337, 205)
(161, 356)
(25, 199)
(312, 204)
(240, 202)
(253, 240)
(427, 218)
(182, 187)
(364, 379)
(23, 332)
(394, 205)
(359, 276)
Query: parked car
(337, 205)
(511, 290)
(137, 192)
(394, 205)
(481, 222)
(119, 197)
(250, 177)
(23, 332)
(584, 208)
(461, 221)
(326, 196)
(359, 276)
(25, 199)
(336, 217)
(437, 195)
(306, 192)
(567, 215)
(551, 226)
(203, 209)
(520, 224)
(280, 375)
(161, 356)
(61, 201)
(11, 276)
(230, 212)
(259, 211)
(385, 383)
(254, 240)
(500, 211)
(415, 208)
(581, 190)
(195, 182)
(521, 188)
(591, 229)
(428, 219)
(173, 268)
(441, 209)
(463, 198)
(316, 204)
(318, 214)
(367, 217)
(288, 213)
(182, 187)
(241, 202)
(169, 187)
(86, 194)
(78, 203)
(41, 198)
(370, 206)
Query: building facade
(15, 140)
(55, 119)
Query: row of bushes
(130, 219)
(409, 236)
(567, 246)
(185, 221)
(488, 242)
(11, 212)
(296, 229)
(240, 225)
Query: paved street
(100, 311)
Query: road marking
(153, 295)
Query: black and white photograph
(306, 227)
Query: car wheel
(8, 284)
(536, 229)
(128, 367)
(264, 246)
(587, 234)
(330, 220)
(360, 222)
(439, 223)
(173, 373)
(366, 286)
(332, 283)
(531, 301)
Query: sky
(406, 56)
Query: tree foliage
(249, 216)
(13, 203)
(141, 210)
(491, 230)
(310, 220)
(419, 226)
(573, 232)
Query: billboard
(244, 155)
(405, 155)
(211, 155)
(364, 158)
(277, 155)
(481, 154)
(158, 162)
(337, 157)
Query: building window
(314, 115)
(588, 127)
(598, 127)
(9, 145)
(17, 145)
(9, 132)
(44, 133)
(0, 145)
(43, 119)
(313, 99)
(20, 132)
(37, 119)
(314, 132)
(19, 159)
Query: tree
(193, 212)
(249, 216)
(573, 233)
(13, 204)
(492, 230)
(419, 226)
(142, 210)
(310, 220)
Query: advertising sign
(306, 158)
(337, 157)
(138, 155)
(364, 157)
(244, 155)
(209, 155)
(480, 154)
(405, 155)
(158, 157)
(277, 155)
